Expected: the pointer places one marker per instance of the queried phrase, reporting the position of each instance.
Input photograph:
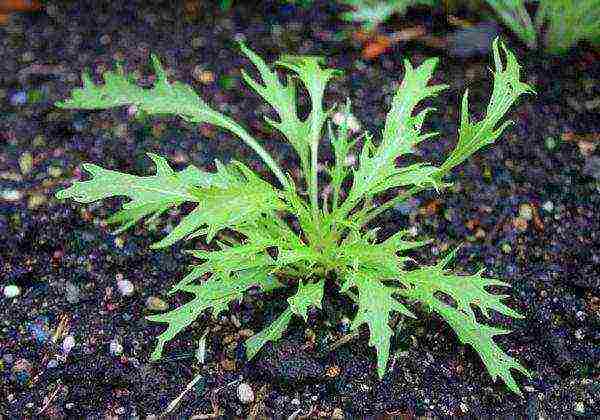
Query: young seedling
(248, 220)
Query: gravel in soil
(73, 337)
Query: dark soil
(526, 209)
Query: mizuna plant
(372, 12)
(558, 24)
(270, 236)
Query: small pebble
(245, 393)
(11, 195)
(520, 224)
(246, 333)
(25, 163)
(228, 364)
(105, 39)
(68, 344)
(11, 291)
(580, 407)
(72, 292)
(125, 287)
(36, 200)
(525, 211)
(39, 330)
(197, 42)
(337, 414)
(154, 303)
(54, 171)
(19, 98)
(548, 206)
(550, 143)
(116, 349)
(52, 364)
(206, 77)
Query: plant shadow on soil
(66, 262)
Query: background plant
(558, 26)
(373, 12)
(247, 219)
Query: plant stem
(389, 204)
(314, 199)
(250, 141)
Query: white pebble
(11, 195)
(245, 393)
(125, 287)
(548, 206)
(68, 344)
(115, 347)
(11, 291)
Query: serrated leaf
(341, 144)
(282, 97)
(308, 294)
(163, 98)
(381, 260)
(224, 199)
(468, 291)
(271, 333)
(220, 208)
(213, 294)
(375, 304)
(377, 169)
(507, 89)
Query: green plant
(514, 15)
(568, 22)
(372, 12)
(249, 220)
(559, 23)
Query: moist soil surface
(75, 342)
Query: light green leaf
(315, 78)
(340, 141)
(212, 294)
(231, 196)
(563, 23)
(220, 208)
(163, 99)
(375, 304)
(308, 294)
(377, 170)
(282, 97)
(507, 89)
(467, 291)
(272, 333)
